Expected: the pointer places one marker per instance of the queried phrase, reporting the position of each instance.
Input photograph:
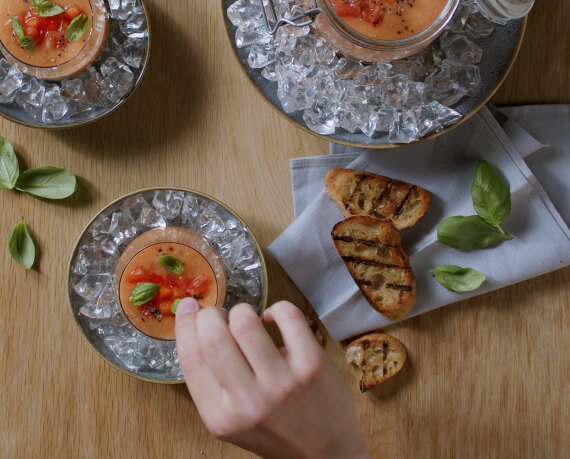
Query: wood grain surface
(486, 377)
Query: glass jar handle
(272, 22)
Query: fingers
(221, 353)
(303, 352)
(199, 379)
(256, 345)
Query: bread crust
(358, 192)
(371, 251)
(379, 356)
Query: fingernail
(187, 305)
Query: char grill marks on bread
(371, 250)
(363, 193)
(378, 356)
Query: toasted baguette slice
(371, 250)
(363, 193)
(378, 355)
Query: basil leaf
(9, 168)
(175, 304)
(491, 194)
(47, 182)
(77, 27)
(468, 233)
(171, 264)
(21, 245)
(47, 9)
(458, 279)
(143, 293)
(25, 41)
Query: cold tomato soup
(152, 274)
(389, 19)
(48, 34)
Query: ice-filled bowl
(91, 288)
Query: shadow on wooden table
(168, 101)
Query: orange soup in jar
(162, 267)
(381, 30)
(52, 40)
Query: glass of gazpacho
(52, 40)
(381, 30)
(161, 267)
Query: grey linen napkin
(444, 166)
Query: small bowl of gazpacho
(160, 268)
(52, 40)
(143, 254)
(382, 30)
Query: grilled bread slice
(362, 193)
(371, 250)
(378, 355)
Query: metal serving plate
(15, 113)
(499, 52)
(96, 308)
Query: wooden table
(487, 377)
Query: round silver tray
(15, 113)
(499, 52)
(91, 289)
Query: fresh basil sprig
(491, 195)
(21, 245)
(25, 41)
(9, 168)
(175, 304)
(143, 293)
(458, 279)
(47, 9)
(47, 182)
(171, 264)
(77, 27)
(492, 201)
(468, 233)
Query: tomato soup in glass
(161, 267)
(389, 19)
(65, 36)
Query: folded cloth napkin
(444, 166)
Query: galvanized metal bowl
(99, 314)
(499, 53)
(15, 113)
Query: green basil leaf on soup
(175, 304)
(77, 27)
(47, 9)
(468, 233)
(171, 264)
(25, 41)
(491, 194)
(458, 279)
(21, 245)
(9, 168)
(47, 182)
(143, 293)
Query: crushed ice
(397, 102)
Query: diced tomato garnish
(155, 279)
(374, 14)
(73, 11)
(165, 308)
(178, 292)
(33, 32)
(351, 8)
(139, 274)
(195, 286)
(369, 10)
(165, 293)
(52, 38)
